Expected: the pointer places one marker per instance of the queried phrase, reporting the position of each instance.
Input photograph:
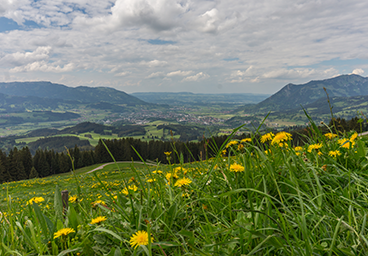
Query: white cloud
(155, 74)
(358, 71)
(199, 76)
(273, 42)
(125, 73)
(154, 63)
(21, 58)
(179, 73)
(158, 15)
(43, 66)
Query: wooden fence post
(65, 199)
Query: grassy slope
(258, 199)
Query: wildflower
(334, 153)
(240, 146)
(298, 148)
(98, 220)
(231, 143)
(320, 153)
(246, 140)
(157, 172)
(36, 200)
(63, 232)
(223, 152)
(268, 151)
(139, 238)
(182, 182)
(125, 190)
(151, 180)
(281, 137)
(267, 137)
(353, 137)
(314, 146)
(95, 203)
(330, 135)
(72, 199)
(324, 167)
(236, 168)
(167, 153)
(346, 143)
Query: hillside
(292, 96)
(58, 91)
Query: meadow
(256, 196)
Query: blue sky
(181, 45)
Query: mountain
(293, 96)
(58, 91)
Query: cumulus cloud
(21, 58)
(42, 66)
(179, 73)
(199, 76)
(273, 42)
(125, 73)
(154, 63)
(155, 74)
(158, 15)
(358, 71)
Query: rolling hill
(58, 91)
(294, 96)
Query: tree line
(19, 164)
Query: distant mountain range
(82, 94)
(312, 94)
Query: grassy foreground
(254, 198)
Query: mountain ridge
(46, 89)
(292, 96)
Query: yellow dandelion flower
(157, 172)
(281, 137)
(346, 143)
(98, 220)
(353, 137)
(267, 137)
(223, 152)
(334, 153)
(151, 180)
(125, 190)
(231, 143)
(72, 199)
(95, 203)
(167, 153)
(246, 140)
(314, 146)
(320, 153)
(36, 200)
(298, 148)
(139, 238)
(182, 182)
(236, 168)
(63, 232)
(330, 135)
(240, 146)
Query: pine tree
(27, 161)
(33, 174)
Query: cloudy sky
(254, 46)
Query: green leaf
(73, 218)
(65, 252)
(41, 218)
(99, 229)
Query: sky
(229, 46)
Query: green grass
(253, 198)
